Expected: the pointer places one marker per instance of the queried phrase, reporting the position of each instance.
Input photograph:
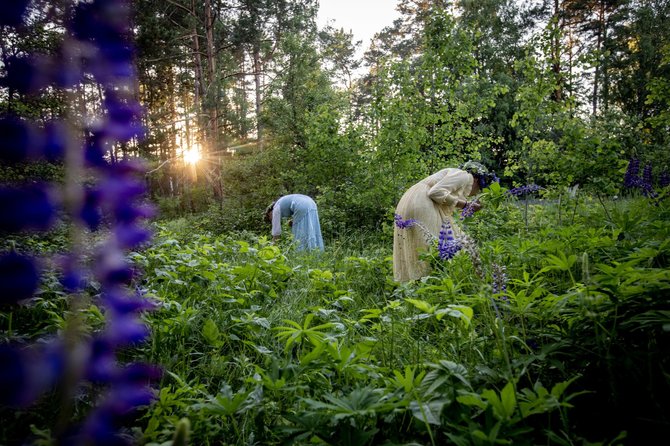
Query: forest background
(557, 93)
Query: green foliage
(260, 342)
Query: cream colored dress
(431, 201)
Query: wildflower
(647, 176)
(403, 224)
(97, 36)
(523, 190)
(19, 139)
(631, 178)
(664, 179)
(19, 278)
(499, 283)
(468, 210)
(26, 208)
(447, 245)
(470, 248)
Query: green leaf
(211, 332)
(427, 412)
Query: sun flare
(192, 156)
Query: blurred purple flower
(124, 117)
(98, 44)
(55, 140)
(19, 278)
(523, 190)
(129, 213)
(26, 372)
(19, 140)
(72, 277)
(91, 213)
(25, 208)
(120, 190)
(122, 401)
(122, 302)
(124, 330)
(130, 236)
(97, 146)
(101, 366)
(13, 376)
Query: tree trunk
(599, 42)
(198, 91)
(257, 81)
(556, 54)
(212, 86)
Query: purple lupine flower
(647, 175)
(523, 190)
(447, 245)
(631, 178)
(123, 302)
(28, 371)
(664, 179)
(19, 278)
(97, 45)
(13, 376)
(91, 213)
(403, 224)
(55, 136)
(27, 208)
(468, 211)
(72, 276)
(19, 141)
(647, 182)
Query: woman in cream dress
(431, 202)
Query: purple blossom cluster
(447, 245)
(523, 190)
(468, 211)
(664, 179)
(403, 224)
(632, 179)
(97, 47)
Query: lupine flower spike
(468, 210)
(447, 246)
(96, 47)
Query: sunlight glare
(192, 156)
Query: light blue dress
(306, 228)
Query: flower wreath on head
(479, 171)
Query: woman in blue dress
(305, 220)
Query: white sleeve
(276, 220)
(450, 189)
